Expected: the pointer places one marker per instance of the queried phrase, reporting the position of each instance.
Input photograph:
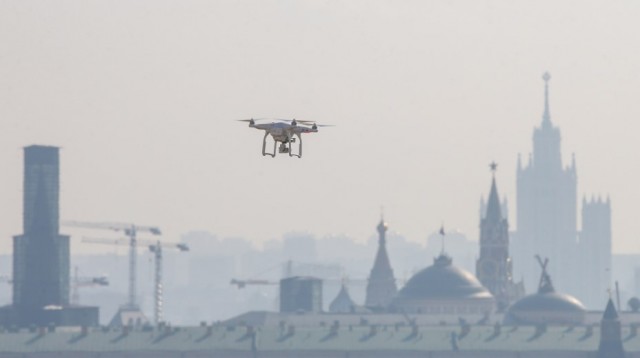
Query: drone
(283, 131)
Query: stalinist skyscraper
(547, 208)
(546, 203)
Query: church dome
(443, 288)
(443, 280)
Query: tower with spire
(494, 267)
(547, 210)
(381, 287)
(546, 204)
(610, 334)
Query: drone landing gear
(285, 147)
(293, 140)
(264, 146)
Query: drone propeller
(255, 119)
(313, 123)
(292, 121)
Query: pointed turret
(382, 284)
(610, 334)
(493, 213)
(343, 302)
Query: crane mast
(133, 272)
(158, 294)
(131, 232)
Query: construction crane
(244, 283)
(253, 282)
(131, 231)
(79, 282)
(156, 249)
(289, 271)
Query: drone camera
(283, 148)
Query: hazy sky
(141, 96)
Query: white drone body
(283, 132)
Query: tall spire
(546, 117)
(382, 231)
(381, 287)
(493, 213)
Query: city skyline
(423, 96)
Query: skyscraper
(494, 267)
(546, 202)
(41, 255)
(381, 287)
(547, 218)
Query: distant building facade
(547, 218)
(41, 254)
(595, 251)
(300, 294)
(381, 287)
(41, 271)
(494, 266)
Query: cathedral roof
(382, 284)
(343, 302)
(443, 280)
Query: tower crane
(158, 296)
(131, 231)
(156, 247)
(79, 281)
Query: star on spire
(493, 166)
